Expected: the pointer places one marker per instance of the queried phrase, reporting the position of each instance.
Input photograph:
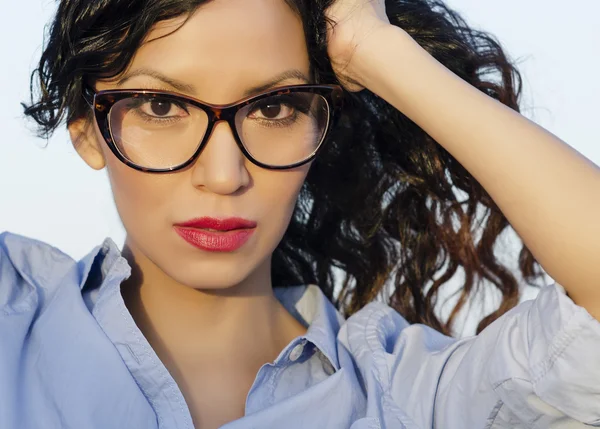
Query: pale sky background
(50, 194)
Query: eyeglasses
(161, 131)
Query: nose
(221, 167)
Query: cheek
(279, 190)
(274, 196)
(138, 196)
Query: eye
(162, 108)
(271, 110)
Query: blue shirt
(71, 356)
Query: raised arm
(547, 190)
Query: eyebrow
(190, 89)
(286, 75)
(177, 84)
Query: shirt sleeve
(538, 366)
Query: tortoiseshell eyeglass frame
(102, 101)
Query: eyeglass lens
(164, 132)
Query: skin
(202, 311)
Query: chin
(211, 274)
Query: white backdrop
(50, 194)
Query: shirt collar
(104, 268)
(311, 307)
(104, 265)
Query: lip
(216, 235)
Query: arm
(548, 191)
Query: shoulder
(399, 364)
(56, 363)
(30, 273)
(543, 353)
(382, 330)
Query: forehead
(229, 43)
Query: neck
(190, 327)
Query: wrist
(365, 65)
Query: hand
(351, 23)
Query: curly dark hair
(385, 210)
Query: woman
(238, 164)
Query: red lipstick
(216, 235)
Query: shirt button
(297, 351)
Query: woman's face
(223, 51)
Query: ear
(85, 140)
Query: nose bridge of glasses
(217, 113)
(221, 114)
